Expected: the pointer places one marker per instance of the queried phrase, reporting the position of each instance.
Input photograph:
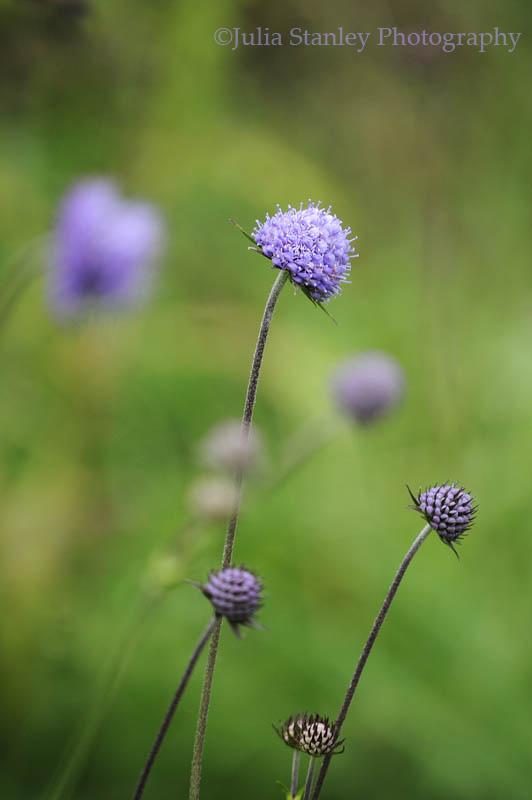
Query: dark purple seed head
(310, 734)
(235, 593)
(448, 509)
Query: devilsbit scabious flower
(104, 250)
(311, 734)
(228, 447)
(448, 509)
(236, 594)
(312, 245)
(367, 386)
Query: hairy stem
(381, 616)
(141, 785)
(201, 727)
(308, 782)
(249, 405)
(296, 758)
(247, 418)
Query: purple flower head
(311, 734)
(368, 386)
(235, 593)
(448, 509)
(104, 251)
(311, 244)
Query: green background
(427, 157)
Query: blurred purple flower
(104, 250)
(311, 244)
(368, 386)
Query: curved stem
(249, 405)
(296, 758)
(247, 418)
(139, 791)
(381, 616)
(308, 782)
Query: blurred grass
(430, 164)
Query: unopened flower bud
(448, 509)
(235, 593)
(310, 734)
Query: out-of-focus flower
(448, 509)
(311, 734)
(228, 447)
(367, 386)
(104, 249)
(164, 572)
(213, 498)
(235, 593)
(311, 244)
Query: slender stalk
(111, 677)
(381, 616)
(112, 673)
(301, 448)
(249, 405)
(141, 785)
(296, 758)
(18, 275)
(308, 782)
(247, 418)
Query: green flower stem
(302, 446)
(111, 677)
(296, 758)
(381, 616)
(249, 405)
(308, 782)
(163, 730)
(114, 669)
(18, 275)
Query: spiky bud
(448, 509)
(310, 734)
(235, 593)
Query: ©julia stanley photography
(447, 42)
